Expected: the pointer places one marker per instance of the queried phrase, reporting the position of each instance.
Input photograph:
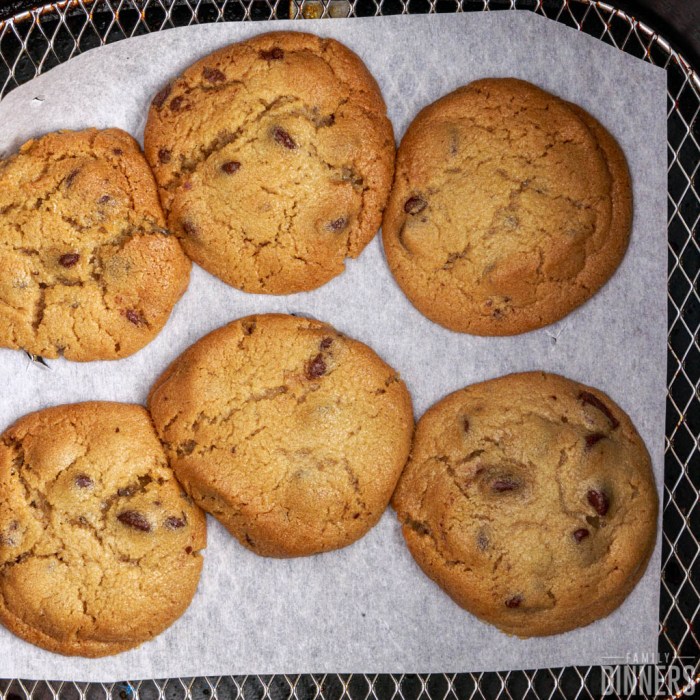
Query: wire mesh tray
(35, 41)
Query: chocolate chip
(273, 54)
(174, 523)
(83, 481)
(187, 185)
(249, 327)
(117, 151)
(283, 138)
(326, 343)
(189, 228)
(581, 534)
(104, 199)
(164, 155)
(337, 224)
(176, 103)
(514, 601)
(593, 438)
(231, 166)
(134, 317)
(127, 491)
(188, 550)
(69, 259)
(465, 425)
(587, 398)
(186, 448)
(415, 205)
(70, 178)
(213, 75)
(135, 520)
(482, 541)
(504, 484)
(161, 96)
(316, 368)
(417, 526)
(599, 500)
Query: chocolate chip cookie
(90, 272)
(530, 500)
(99, 545)
(510, 208)
(290, 433)
(274, 159)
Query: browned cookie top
(274, 159)
(288, 432)
(531, 501)
(99, 546)
(89, 271)
(509, 208)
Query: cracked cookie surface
(99, 545)
(90, 272)
(530, 500)
(274, 159)
(509, 209)
(290, 433)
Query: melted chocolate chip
(135, 520)
(504, 483)
(417, 526)
(186, 448)
(581, 534)
(514, 601)
(134, 317)
(283, 138)
(326, 343)
(164, 155)
(70, 178)
(599, 500)
(104, 199)
(587, 398)
(337, 224)
(316, 368)
(482, 541)
(176, 103)
(69, 259)
(213, 75)
(189, 228)
(161, 96)
(273, 54)
(174, 523)
(83, 481)
(593, 438)
(230, 167)
(126, 491)
(415, 205)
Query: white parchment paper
(368, 608)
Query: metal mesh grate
(34, 42)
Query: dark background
(678, 21)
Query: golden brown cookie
(530, 500)
(90, 272)
(274, 159)
(99, 545)
(510, 208)
(290, 433)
